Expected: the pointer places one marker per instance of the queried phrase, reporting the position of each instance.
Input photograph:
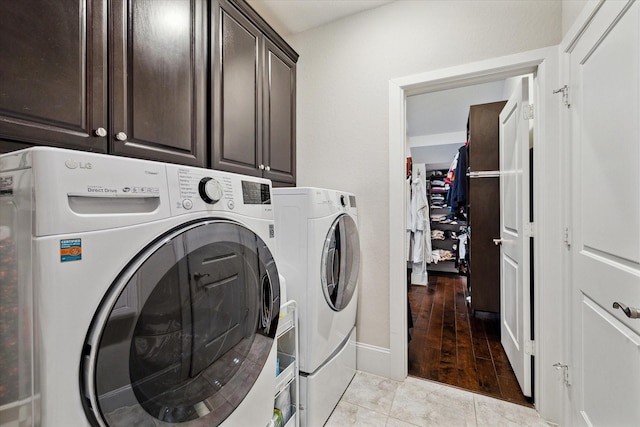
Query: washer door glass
(185, 331)
(340, 262)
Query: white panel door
(605, 254)
(515, 297)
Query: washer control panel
(210, 190)
(194, 189)
(256, 193)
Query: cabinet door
(53, 73)
(484, 255)
(279, 115)
(237, 111)
(157, 76)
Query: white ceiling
(442, 116)
(294, 16)
(446, 111)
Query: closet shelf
(450, 224)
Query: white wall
(570, 11)
(436, 156)
(343, 104)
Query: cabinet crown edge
(243, 7)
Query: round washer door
(185, 330)
(340, 262)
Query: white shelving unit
(287, 378)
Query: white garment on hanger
(409, 220)
(421, 229)
(462, 247)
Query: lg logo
(72, 164)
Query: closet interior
(454, 304)
(454, 213)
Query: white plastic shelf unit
(287, 374)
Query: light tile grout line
(473, 394)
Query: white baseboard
(373, 359)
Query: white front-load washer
(142, 293)
(318, 252)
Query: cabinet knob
(121, 136)
(268, 168)
(261, 167)
(100, 132)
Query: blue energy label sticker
(70, 250)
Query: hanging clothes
(409, 254)
(421, 229)
(451, 175)
(409, 220)
(459, 189)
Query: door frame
(548, 267)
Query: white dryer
(318, 252)
(142, 293)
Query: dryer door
(340, 262)
(185, 331)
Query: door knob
(630, 312)
(261, 167)
(100, 132)
(121, 136)
(268, 168)
(497, 242)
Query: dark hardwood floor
(452, 346)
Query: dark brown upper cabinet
(158, 80)
(59, 58)
(197, 82)
(237, 110)
(253, 94)
(53, 73)
(279, 123)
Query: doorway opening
(547, 268)
(455, 314)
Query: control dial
(210, 190)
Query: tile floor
(375, 401)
